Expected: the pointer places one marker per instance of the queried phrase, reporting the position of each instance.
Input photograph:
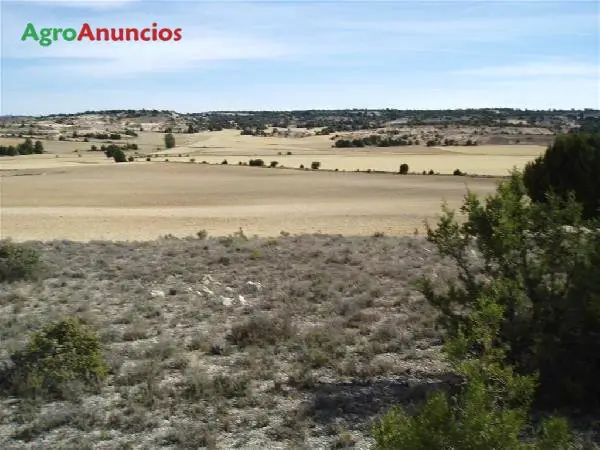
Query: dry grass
(208, 346)
(139, 201)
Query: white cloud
(533, 70)
(478, 29)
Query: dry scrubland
(145, 200)
(294, 342)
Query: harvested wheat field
(213, 147)
(140, 201)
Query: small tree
(403, 169)
(315, 165)
(273, 164)
(38, 147)
(119, 155)
(169, 140)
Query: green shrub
(571, 164)
(18, 262)
(58, 354)
(403, 169)
(544, 264)
(256, 163)
(491, 411)
(457, 172)
(119, 155)
(315, 165)
(169, 140)
(273, 164)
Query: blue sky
(306, 54)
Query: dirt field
(146, 200)
(482, 160)
(72, 193)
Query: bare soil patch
(138, 201)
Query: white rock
(242, 299)
(227, 301)
(206, 291)
(229, 289)
(253, 286)
(157, 293)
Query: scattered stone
(157, 293)
(227, 301)
(206, 291)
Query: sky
(305, 54)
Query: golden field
(71, 193)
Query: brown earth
(138, 201)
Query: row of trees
(105, 136)
(375, 140)
(28, 147)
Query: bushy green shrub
(18, 261)
(491, 411)
(256, 163)
(169, 140)
(58, 354)
(570, 164)
(545, 264)
(119, 156)
(403, 169)
(315, 165)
